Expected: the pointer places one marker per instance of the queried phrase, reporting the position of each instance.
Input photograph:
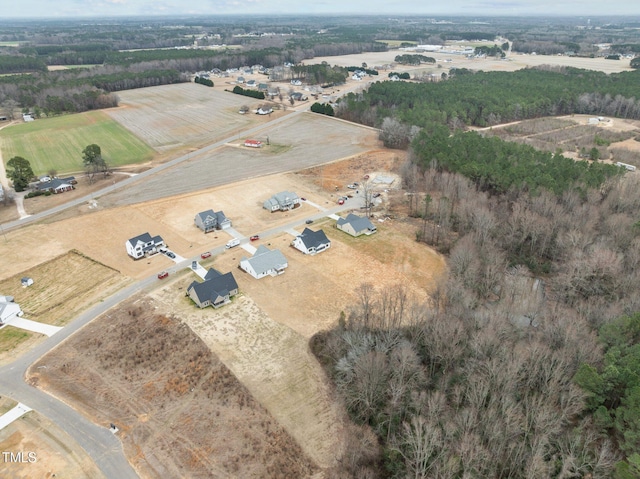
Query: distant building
(253, 143)
(57, 185)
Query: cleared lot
(186, 114)
(307, 140)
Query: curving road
(103, 446)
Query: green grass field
(57, 143)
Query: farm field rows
(185, 114)
(57, 143)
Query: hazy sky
(102, 8)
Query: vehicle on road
(232, 243)
(170, 254)
(163, 274)
(303, 199)
(254, 238)
(341, 201)
(309, 222)
(205, 255)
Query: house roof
(264, 259)
(313, 239)
(215, 284)
(207, 216)
(358, 223)
(143, 238)
(56, 183)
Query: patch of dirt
(53, 452)
(180, 411)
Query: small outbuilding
(26, 281)
(253, 143)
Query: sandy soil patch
(56, 454)
(180, 412)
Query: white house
(311, 242)
(264, 262)
(8, 309)
(283, 201)
(356, 225)
(144, 245)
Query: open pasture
(174, 116)
(57, 143)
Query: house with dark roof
(311, 242)
(210, 220)
(283, 201)
(57, 185)
(216, 290)
(144, 245)
(356, 225)
(264, 262)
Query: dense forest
(504, 372)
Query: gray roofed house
(283, 201)
(144, 245)
(264, 262)
(212, 220)
(216, 289)
(311, 242)
(356, 225)
(57, 185)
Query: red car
(163, 274)
(254, 238)
(341, 201)
(205, 255)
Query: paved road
(103, 446)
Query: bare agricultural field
(183, 115)
(180, 411)
(56, 454)
(311, 140)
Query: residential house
(311, 242)
(1, 193)
(263, 87)
(57, 185)
(264, 110)
(283, 201)
(251, 83)
(144, 245)
(240, 80)
(8, 309)
(356, 225)
(216, 290)
(296, 82)
(297, 96)
(212, 220)
(264, 262)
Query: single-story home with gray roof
(311, 242)
(356, 225)
(264, 262)
(216, 289)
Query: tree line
(487, 379)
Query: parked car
(232, 243)
(170, 254)
(352, 186)
(205, 255)
(375, 195)
(365, 177)
(341, 201)
(163, 274)
(309, 222)
(254, 238)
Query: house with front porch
(216, 290)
